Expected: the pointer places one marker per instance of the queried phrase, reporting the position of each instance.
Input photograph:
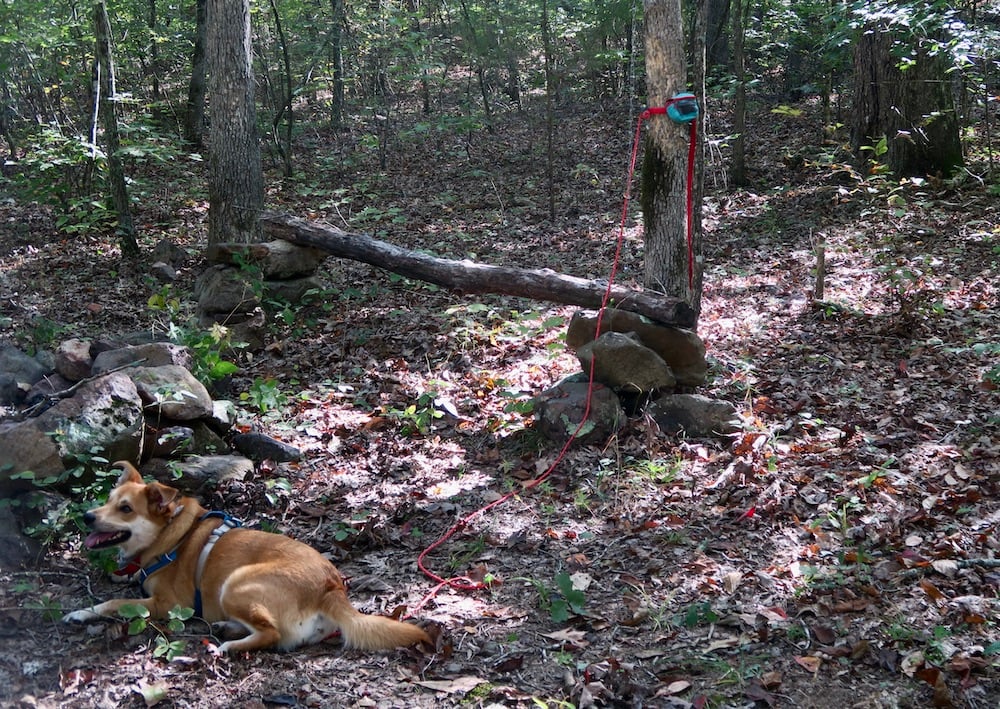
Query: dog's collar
(144, 572)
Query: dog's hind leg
(262, 625)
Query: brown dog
(280, 591)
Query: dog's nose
(88, 518)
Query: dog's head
(133, 516)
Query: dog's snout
(89, 518)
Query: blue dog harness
(171, 556)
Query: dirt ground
(841, 551)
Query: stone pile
(637, 365)
(231, 291)
(132, 402)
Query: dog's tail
(369, 632)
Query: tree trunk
(716, 37)
(194, 115)
(737, 166)
(470, 277)
(913, 109)
(549, 111)
(109, 106)
(236, 181)
(664, 169)
(337, 49)
(284, 142)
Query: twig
(50, 399)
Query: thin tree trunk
(284, 143)
(337, 48)
(737, 168)
(194, 115)
(549, 110)
(109, 107)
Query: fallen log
(471, 277)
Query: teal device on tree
(682, 108)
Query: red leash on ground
(464, 583)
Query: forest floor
(841, 551)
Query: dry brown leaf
(931, 590)
(567, 636)
(809, 662)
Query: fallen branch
(471, 277)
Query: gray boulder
(104, 415)
(224, 290)
(694, 415)
(152, 354)
(172, 392)
(623, 362)
(276, 260)
(560, 409)
(73, 360)
(681, 349)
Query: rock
(694, 415)
(73, 360)
(154, 354)
(258, 447)
(199, 474)
(559, 411)
(681, 349)
(104, 416)
(167, 442)
(46, 388)
(245, 329)
(623, 362)
(172, 392)
(291, 290)
(24, 369)
(276, 260)
(225, 290)
(175, 441)
(17, 551)
(168, 252)
(11, 393)
(223, 418)
(163, 272)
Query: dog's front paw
(84, 615)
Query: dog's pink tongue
(95, 538)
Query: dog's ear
(162, 498)
(129, 473)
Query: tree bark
(914, 109)
(109, 105)
(664, 169)
(236, 179)
(471, 277)
(194, 114)
(337, 50)
(737, 166)
(284, 141)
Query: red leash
(464, 583)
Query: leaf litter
(840, 551)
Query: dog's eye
(125, 508)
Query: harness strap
(171, 556)
(227, 524)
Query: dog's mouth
(101, 540)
